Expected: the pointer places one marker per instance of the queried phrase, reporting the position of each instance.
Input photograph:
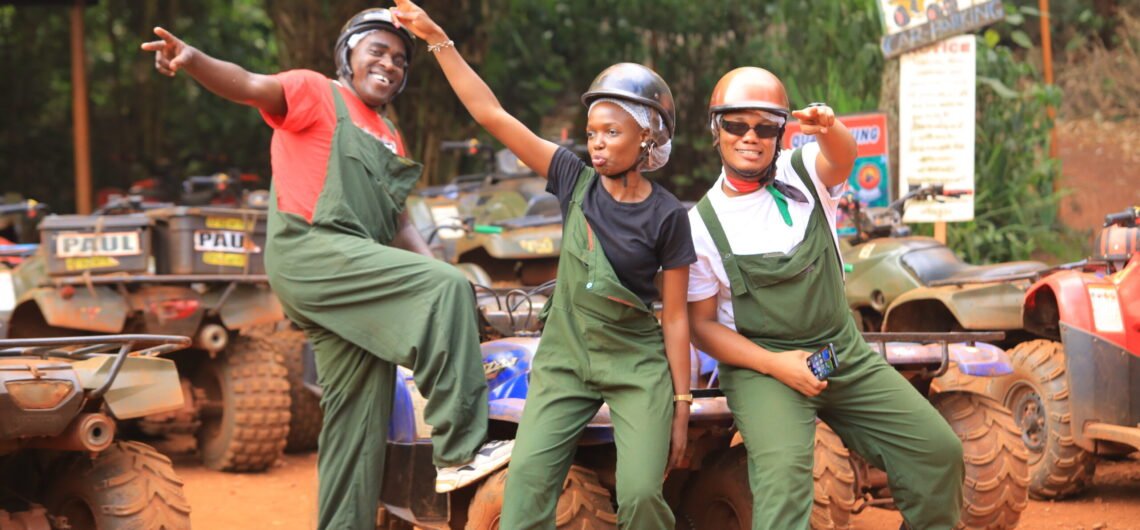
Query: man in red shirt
(337, 255)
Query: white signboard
(936, 126)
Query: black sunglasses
(739, 128)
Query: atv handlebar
(30, 207)
(465, 225)
(1125, 219)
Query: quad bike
(994, 493)
(506, 195)
(1075, 388)
(900, 282)
(60, 463)
(409, 497)
(193, 271)
(710, 489)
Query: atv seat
(543, 205)
(940, 266)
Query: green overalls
(367, 307)
(796, 301)
(600, 343)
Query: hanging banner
(936, 128)
(912, 24)
(869, 180)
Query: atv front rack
(90, 346)
(110, 279)
(879, 341)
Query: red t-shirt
(302, 138)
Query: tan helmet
(747, 88)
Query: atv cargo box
(75, 244)
(209, 240)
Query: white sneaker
(488, 458)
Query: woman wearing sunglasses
(601, 342)
(767, 290)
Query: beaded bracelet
(433, 48)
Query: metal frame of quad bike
(60, 465)
(220, 311)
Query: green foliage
(142, 124)
(537, 55)
(1015, 202)
(548, 51)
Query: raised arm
(225, 79)
(532, 149)
(836, 145)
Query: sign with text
(869, 180)
(912, 24)
(936, 128)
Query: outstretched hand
(815, 120)
(170, 53)
(418, 21)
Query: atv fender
(249, 304)
(1059, 297)
(988, 306)
(144, 385)
(89, 308)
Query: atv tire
(245, 417)
(1038, 394)
(128, 486)
(834, 482)
(584, 503)
(995, 491)
(305, 415)
(718, 495)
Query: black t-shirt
(638, 238)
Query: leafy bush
(1015, 202)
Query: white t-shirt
(753, 225)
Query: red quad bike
(1075, 390)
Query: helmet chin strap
(645, 147)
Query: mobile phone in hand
(823, 362)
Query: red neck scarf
(742, 186)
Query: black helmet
(370, 19)
(637, 83)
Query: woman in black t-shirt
(601, 342)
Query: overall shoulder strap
(728, 259)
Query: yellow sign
(96, 262)
(224, 259)
(538, 246)
(229, 223)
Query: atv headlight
(40, 394)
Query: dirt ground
(284, 498)
(1100, 164)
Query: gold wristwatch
(682, 397)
